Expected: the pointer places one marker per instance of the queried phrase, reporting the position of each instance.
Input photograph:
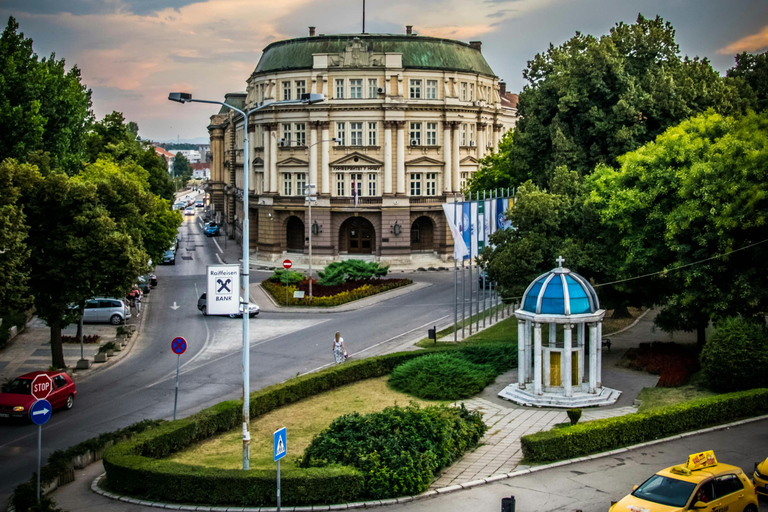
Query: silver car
(103, 310)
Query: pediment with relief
(292, 162)
(258, 161)
(469, 160)
(357, 54)
(424, 160)
(356, 159)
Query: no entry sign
(179, 345)
(42, 385)
(287, 264)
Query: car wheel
(232, 316)
(750, 508)
(70, 402)
(173, 262)
(204, 310)
(116, 320)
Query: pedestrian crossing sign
(281, 444)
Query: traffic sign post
(287, 264)
(281, 449)
(41, 386)
(40, 413)
(179, 346)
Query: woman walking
(339, 352)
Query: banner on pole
(459, 247)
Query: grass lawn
(653, 398)
(505, 330)
(303, 420)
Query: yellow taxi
(701, 484)
(761, 477)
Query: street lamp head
(180, 97)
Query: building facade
(402, 124)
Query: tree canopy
(751, 76)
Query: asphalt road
(283, 345)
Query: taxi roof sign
(701, 460)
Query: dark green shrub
(736, 355)
(574, 415)
(286, 277)
(611, 433)
(441, 376)
(334, 274)
(398, 450)
(338, 272)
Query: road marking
(217, 245)
(175, 307)
(219, 258)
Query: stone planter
(81, 461)
(100, 358)
(110, 353)
(118, 347)
(83, 364)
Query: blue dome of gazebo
(560, 292)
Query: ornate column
(552, 335)
(566, 360)
(521, 354)
(529, 350)
(593, 341)
(580, 345)
(387, 157)
(537, 387)
(325, 155)
(313, 156)
(273, 187)
(599, 347)
(267, 157)
(400, 157)
(481, 143)
(456, 156)
(447, 176)
(496, 135)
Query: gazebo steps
(604, 396)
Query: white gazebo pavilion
(554, 374)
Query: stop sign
(42, 385)
(287, 264)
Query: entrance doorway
(359, 235)
(422, 235)
(295, 235)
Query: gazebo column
(537, 359)
(580, 344)
(528, 351)
(567, 365)
(552, 334)
(593, 341)
(521, 341)
(546, 356)
(599, 346)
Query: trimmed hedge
(611, 433)
(136, 466)
(361, 291)
(441, 376)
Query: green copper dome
(419, 52)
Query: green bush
(574, 415)
(334, 274)
(611, 433)
(339, 272)
(286, 277)
(398, 450)
(734, 358)
(441, 377)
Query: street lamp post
(309, 198)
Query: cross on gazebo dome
(560, 261)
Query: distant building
(402, 126)
(167, 155)
(193, 155)
(201, 171)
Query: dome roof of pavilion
(560, 292)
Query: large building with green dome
(402, 122)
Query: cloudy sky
(133, 52)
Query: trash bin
(508, 504)
(432, 334)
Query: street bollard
(508, 504)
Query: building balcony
(350, 201)
(426, 199)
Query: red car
(16, 398)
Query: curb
(428, 494)
(630, 325)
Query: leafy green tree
(734, 358)
(182, 168)
(591, 100)
(751, 76)
(43, 107)
(693, 204)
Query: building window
(431, 183)
(371, 185)
(341, 134)
(463, 89)
(301, 88)
(472, 134)
(301, 183)
(355, 134)
(301, 134)
(356, 88)
(464, 179)
(373, 88)
(463, 132)
(415, 134)
(356, 181)
(431, 89)
(286, 90)
(340, 185)
(286, 134)
(372, 134)
(287, 182)
(431, 134)
(340, 88)
(416, 184)
(415, 89)
(471, 92)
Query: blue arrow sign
(40, 412)
(281, 443)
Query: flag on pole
(459, 247)
(473, 228)
(480, 243)
(354, 188)
(465, 226)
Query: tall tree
(591, 100)
(182, 168)
(751, 76)
(43, 107)
(693, 204)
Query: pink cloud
(751, 43)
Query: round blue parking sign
(40, 412)
(179, 345)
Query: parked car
(212, 229)
(152, 280)
(253, 309)
(16, 398)
(190, 210)
(179, 205)
(169, 257)
(104, 309)
(760, 477)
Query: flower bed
(674, 363)
(327, 296)
(87, 338)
